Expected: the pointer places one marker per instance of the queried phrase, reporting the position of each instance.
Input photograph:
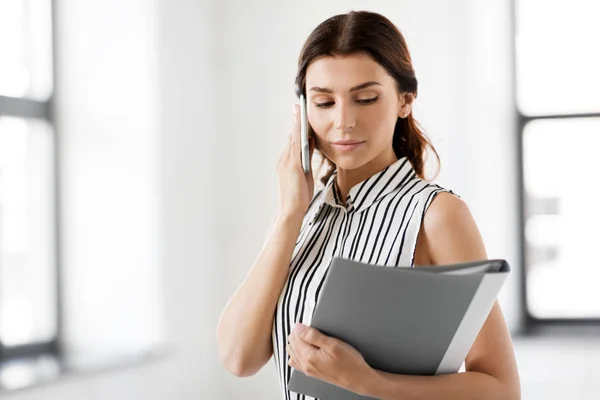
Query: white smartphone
(304, 147)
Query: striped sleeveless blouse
(378, 225)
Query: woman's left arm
(451, 236)
(491, 373)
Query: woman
(376, 206)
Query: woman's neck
(346, 179)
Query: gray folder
(413, 321)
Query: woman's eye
(362, 101)
(368, 101)
(323, 105)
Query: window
(558, 101)
(29, 306)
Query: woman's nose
(345, 119)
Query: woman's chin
(349, 162)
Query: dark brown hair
(374, 34)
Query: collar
(365, 193)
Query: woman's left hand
(327, 358)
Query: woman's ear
(405, 103)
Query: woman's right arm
(245, 326)
(244, 330)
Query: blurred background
(138, 150)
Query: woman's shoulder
(428, 191)
(450, 230)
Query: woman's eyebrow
(352, 89)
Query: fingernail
(301, 328)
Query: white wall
(106, 106)
(217, 117)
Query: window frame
(42, 110)
(531, 323)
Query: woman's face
(353, 98)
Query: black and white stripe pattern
(379, 225)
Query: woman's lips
(346, 147)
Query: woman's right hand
(296, 189)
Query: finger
(296, 130)
(291, 354)
(292, 364)
(286, 149)
(292, 358)
(313, 337)
(291, 339)
(301, 348)
(296, 125)
(294, 345)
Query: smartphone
(304, 147)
